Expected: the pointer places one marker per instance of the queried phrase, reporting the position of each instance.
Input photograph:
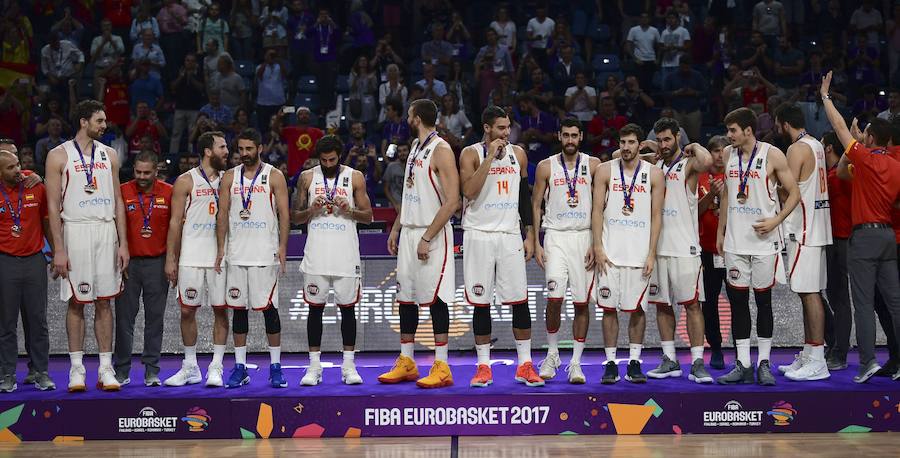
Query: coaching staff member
(147, 203)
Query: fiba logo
(234, 293)
(190, 293)
(84, 288)
(551, 285)
(604, 292)
(148, 412)
(654, 290)
(312, 289)
(734, 274)
(478, 290)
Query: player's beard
(95, 134)
(218, 163)
(144, 184)
(570, 149)
(628, 155)
(330, 171)
(250, 160)
(413, 130)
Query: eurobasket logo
(147, 421)
(732, 415)
(197, 419)
(782, 413)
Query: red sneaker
(483, 376)
(527, 375)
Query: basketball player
(808, 230)
(494, 176)
(677, 276)
(424, 247)
(749, 238)
(87, 223)
(563, 181)
(331, 255)
(253, 219)
(190, 259)
(629, 193)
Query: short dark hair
(632, 129)
(147, 156)
(426, 110)
(743, 117)
(329, 144)
(881, 130)
(86, 108)
(830, 139)
(570, 122)
(791, 114)
(664, 124)
(491, 113)
(207, 140)
(395, 103)
(250, 134)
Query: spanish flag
(10, 72)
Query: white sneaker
(549, 366)
(812, 370)
(214, 375)
(77, 379)
(313, 376)
(799, 360)
(106, 379)
(349, 375)
(189, 374)
(576, 377)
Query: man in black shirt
(190, 96)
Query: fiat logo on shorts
(312, 289)
(734, 274)
(551, 285)
(654, 290)
(234, 293)
(84, 288)
(604, 293)
(478, 290)
(190, 293)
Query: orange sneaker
(483, 376)
(527, 375)
(438, 377)
(405, 370)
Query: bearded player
(191, 258)
(808, 231)
(422, 239)
(629, 193)
(563, 181)
(494, 176)
(749, 237)
(331, 198)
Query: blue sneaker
(239, 377)
(276, 376)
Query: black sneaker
(889, 369)
(634, 374)
(764, 375)
(836, 362)
(610, 373)
(717, 359)
(740, 375)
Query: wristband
(425, 240)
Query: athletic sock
(190, 354)
(816, 353)
(523, 349)
(484, 353)
(76, 358)
(406, 348)
(349, 356)
(577, 349)
(668, 349)
(240, 355)
(765, 348)
(553, 342)
(440, 351)
(218, 354)
(106, 359)
(743, 351)
(806, 350)
(611, 354)
(634, 351)
(275, 354)
(314, 358)
(697, 353)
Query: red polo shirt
(33, 211)
(709, 220)
(839, 194)
(161, 196)
(876, 177)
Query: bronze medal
(245, 214)
(89, 188)
(146, 232)
(16, 230)
(627, 209)
(742, 197)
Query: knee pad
(521, 316)
(440, 317)
(409, 318)
(481, 321)
(240, 324)
(348, 326)
(314, 326)
(273, 321)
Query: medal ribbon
(88, 171)
(245, 202)
(677, 159)
(329, 194)
(16, 213)
(144, 212)
(206, 178)
(627, 193)
(742, 185)
(415, 154)
(571, 184)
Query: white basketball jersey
(79, 206)
(198, 233)
(559, 215)
(422, 191)
(254, 241)
(680, 233)
(626, 238)
(332, 244)
(810, 222)
(496, 209)
(762, 202)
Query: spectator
(831, 21)
(326, 37)
(755, 54)
(581, 99)
(641, 45)
(271, 79)
(675, 42)
(612, 89)
(299, 24)
(769, 20)
(634, 103)
(363, 156)
(106, 49)
(241, 122)
(565, 69)
(53, 139)
(459, 84)
(275, 147)
(703, 41)
(505, 93)
(685, 16)
(363, 87)
(868, 20)
(61, 60)
(586, 16)
(145, 124)
(211, 59)
(393, 176)
(203, 125)
(538, 87)
(241, 23)
(188, 94)
(505, 29)
(145, 87)
(172, 19)
(17, 35)
(683, 139)
(861, 56)
(459, 37)
(393, 88)
(562, 36)
(11, 117)
(112, 90)
(494, 54)
(148, 51)
(218, 115)
(869, 106)
(385, 57)
(788, 64)
(684, 89)
(434, 88)
(301, 139)
(893, 104)
(196, 13)
(538, 31)
(538, 129)
(272, 21)
(753, 90)
(893, 39)
(395, 130)
(812, 78)
(360, 28)
(230, 85)
(52, 108)
(453, 125)
(213, 27)
(119, 14)
(603, 131)
(438, 51)
(143, 21)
